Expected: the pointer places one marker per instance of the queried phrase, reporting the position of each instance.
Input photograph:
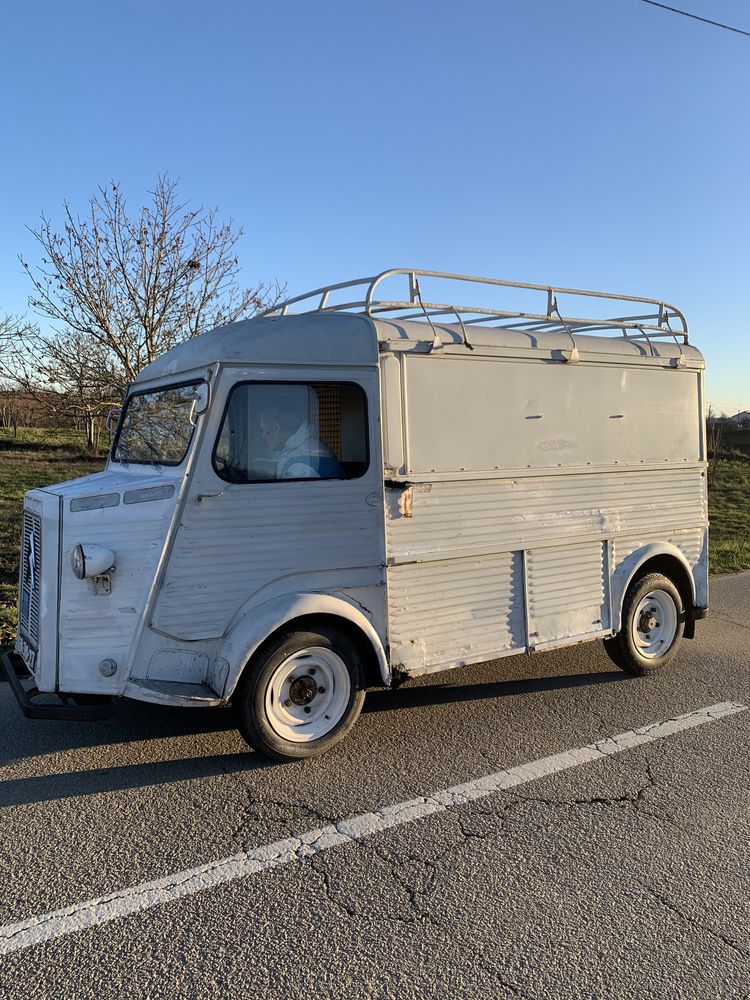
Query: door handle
(207, 496)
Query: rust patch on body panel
(398, 499)
(410, 656)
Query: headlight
(91, 560)
(78, 562)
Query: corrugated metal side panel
(229, 548)
(465, 518)
(436, 531)
(449, 612)
(566, 591)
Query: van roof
(341, 338)
(351, 321)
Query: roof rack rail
(642, 326)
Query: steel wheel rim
(654, 624)
(293, 711)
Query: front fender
(627, 569)
(254, 628)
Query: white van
(301, 505)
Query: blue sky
(593, 143)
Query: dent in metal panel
(218, 672)
(178, 665)
(409, 657)
(691, 544)
(700, 574)
(462, 518)
(398, 499)
(87, 630)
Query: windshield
(156, 426)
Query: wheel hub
(647, 622)
(654, 624)
(307, 695)
(302, 690)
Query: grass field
(39, 457)
(729, 506)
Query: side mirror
(112, 418)
(201, 397)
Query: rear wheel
(301, 694)
(653, 621)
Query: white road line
(93, 912)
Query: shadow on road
(49, 787)
(136, 723)
(442, 694)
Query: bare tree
(133, 287)
(70, 377)
(8, 328)
(16, 407)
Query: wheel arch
(660, 557)
(301, 611)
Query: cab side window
(274, 431)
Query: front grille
(30, 577)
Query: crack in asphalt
(280, 812)
(237, 778)
(694, 922)
(457, 803)
(415, 895)
(421, 910)
(420, 885)
(319, 868)
(606, 800)
(636, 800)
(287, 816)
(732, 621)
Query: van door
(286, 498)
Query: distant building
(740, 419)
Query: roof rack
(645, 325)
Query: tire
(653, 622)
(301, 694)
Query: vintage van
(359, 487)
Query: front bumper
(63, 708)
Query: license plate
(26, 652)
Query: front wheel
(301, 694)
(653, 621)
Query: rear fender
(626, 571)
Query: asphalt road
(627, 876)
